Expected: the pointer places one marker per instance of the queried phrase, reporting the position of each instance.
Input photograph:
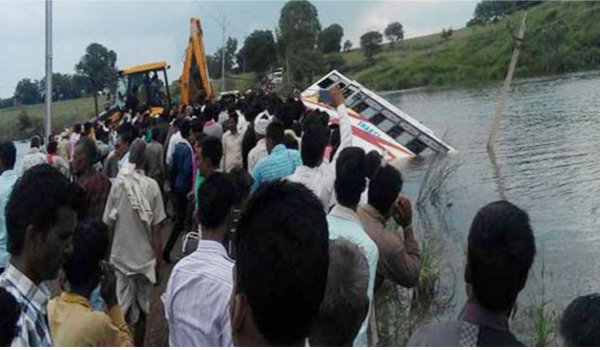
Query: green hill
(561, 37)
(64, 113)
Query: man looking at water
(197, 296)
(398, 251)
(344, 222)
(8, 177)
(135, 211)
(317, 173)
(500, 252)
(95, 184)
(580, 322)
(34, 156)
(281, 266)
(345, 305)
(41, 217)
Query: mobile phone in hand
(324, 96)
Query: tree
(297, 36)
(258, 53)
(62, 87)
(347, 45)
(6, 102)
(299, 25)
(330, 39)
(230, 50)
(394, 32)
(80, 85)
(98, 65)
(369, 43)
(214, 62)
(447, 34)
(27, 92)
(490, 11)
(334, 60)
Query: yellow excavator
(194, 81)
(145, 87)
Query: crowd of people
(278, 235)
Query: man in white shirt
(173, 141)
(260, 150)
(232, 144)
(317, 173)
(135, 212)
(197, 296)
(34, 156)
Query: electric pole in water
(48, 113)
(223, 56)
(511, 69)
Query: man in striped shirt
(41, 216)
(197, 296)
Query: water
(548, 158)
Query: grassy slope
(561, 37)
(64, 113)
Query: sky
(159, 30)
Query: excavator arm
(195, 79)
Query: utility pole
(223, 56)
(507, 82)
(48, 113)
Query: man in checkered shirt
(41, 217)
(280, 162)
(500, 253)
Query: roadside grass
(64, 113)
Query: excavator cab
(143, 88)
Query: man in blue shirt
(280, 162)
(344, 222)
(181, 175)
(8, 177)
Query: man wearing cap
(260, 150)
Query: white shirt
(173, 141)
(132, 252)
(321, 179)
(257, 153)
(222, 117)
(60, 164)
(34, 157)
(232, 151)
(196, 299)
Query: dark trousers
(180, 207)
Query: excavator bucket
(195, 80)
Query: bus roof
(146, 67)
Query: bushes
(28, 126)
